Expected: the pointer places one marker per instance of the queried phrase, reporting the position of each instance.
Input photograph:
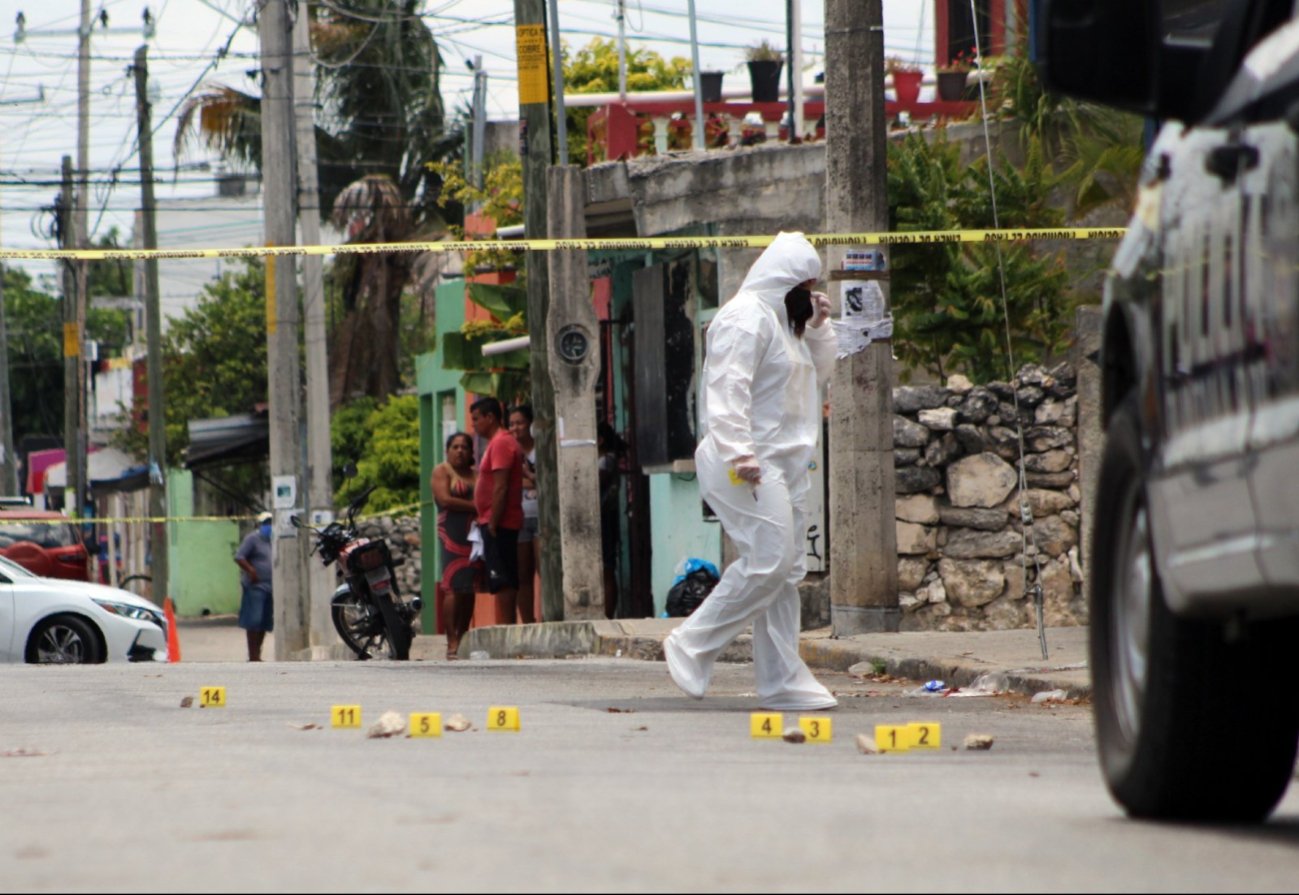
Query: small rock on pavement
(794, 735)
(978, 741)
(863, 669)
(457, 722)
(389, 725)
(866, 745)
(1050, 696)
(186, 701)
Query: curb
(838, 655)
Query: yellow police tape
(628, 244)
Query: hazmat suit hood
(788, 261)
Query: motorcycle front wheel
(361, 625)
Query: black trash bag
(686, 595)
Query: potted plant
(952, 76)
(906, 79)
(710, 86)
(765, 63)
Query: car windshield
(54, 533)
(11, 570)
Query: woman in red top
(453, 492)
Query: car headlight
(126, 610)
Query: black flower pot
(710, 85)
(951, 85)
(764, 75)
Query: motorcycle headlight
(126, 610)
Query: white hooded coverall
(761, 399)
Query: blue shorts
(256, 609)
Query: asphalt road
(615, 782)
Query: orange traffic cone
(173, 638)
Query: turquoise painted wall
(438, 390)
(680, 532)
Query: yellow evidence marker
(503, 717)
(212, 697)
(345, 716)
(925, 735)
(426, 724)
(816, 728)
(766, 725)
(892, 738)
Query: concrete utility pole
(76, 460)
(71, 335)
(153, 330)
(8, 462)
(320, 486)
(572, 329)
(863, 532)
(535, 151)
(282, 322)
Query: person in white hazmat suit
(769, 349)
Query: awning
(242, 438)
(103, 466)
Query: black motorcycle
(368, 610)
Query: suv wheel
(1190, 724)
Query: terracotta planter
(951, 85)
(906, 86)
(764, 76)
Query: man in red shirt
(498, 497)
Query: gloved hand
(820, 309)
(748, 469)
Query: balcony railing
(658, 123)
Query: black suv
(1195, 577)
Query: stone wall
(961, 544)
(402, 535)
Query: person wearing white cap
(769, 348)
(256, 609)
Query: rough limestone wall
(961, 540)
(402, 535)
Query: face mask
(798, 307)
(265, 529)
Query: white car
(56, 621)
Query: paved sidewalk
(956, 658)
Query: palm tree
(379, 121)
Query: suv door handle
(1227, 161)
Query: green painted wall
(439, 391)
(200, 555)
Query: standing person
(529, 546)
(453, 483)
(499, 501)
(256, 609)
(769, 347)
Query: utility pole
(863, 533)
(282, 324)
(71, 334)
(8, 462)
(320, 491)
(477, 151)
(153, 330)
(621, 16)
(535, 151)
(75, 495)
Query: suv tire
(1191, 724)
